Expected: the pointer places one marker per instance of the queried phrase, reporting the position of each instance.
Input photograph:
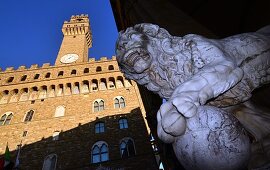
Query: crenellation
(103, 59)
(91, 60)
(8, 69)
(20, 68)
(45, 65)
(34, 66)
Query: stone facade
(62, 99)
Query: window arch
(61, 73)
(48, 75)
(6, 118)
(36, 76)
(98, 105)
(86, 70)
(10, 79)
(23, 77)
(98, 69)
(127, 148)
(111, 67)
(50, 162)
(59, 111)
(123, 123)
(99, 127)
(100, 152)
(73, 72)
(119, 102)
(28, 116)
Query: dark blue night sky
(31, 29)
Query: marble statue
(204, 82)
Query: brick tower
(76, 114)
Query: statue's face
(132, 52)
(138, 59)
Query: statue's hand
(186, 103)
(170, 123)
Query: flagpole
(17, 163)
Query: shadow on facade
(73, 147)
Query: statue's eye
(122, 46)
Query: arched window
(100, 152)
(98, 69)
(10, 79)
(127, 148)
(29, 116)
(119, 102)
(111, 67)
(48, 75)
(123, 123)
(73, 72)
(50, 162)
(23, 77)
(116, 103)
(61, 73)
(36, 76)
(94, 85)
(98, 105)
(100, 127)
(59, 111)
(122, 102)
(101, 105)
(6, 118)
(86, 70)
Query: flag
(7, 155)
(8, 164)
(18, 155)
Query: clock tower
(76, 42)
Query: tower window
(29, 116)
(123, 123)
(24, 133)
(48, 75)
(127, 148)
(36, 76)
(100, 127)
(23, 77)
(6, 118)
(98, 105)
(73, 72)
(111, 67)
(61, 73)
(119, 102)
(86, 70)
(98, 69)
(50, 162)
(10, 79)
(100, 152)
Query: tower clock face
(69, 58)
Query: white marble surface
(192, 71)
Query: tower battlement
(48, 65)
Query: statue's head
(133, 50)
(136, 50)
(149, 55)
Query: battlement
(47, 65)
